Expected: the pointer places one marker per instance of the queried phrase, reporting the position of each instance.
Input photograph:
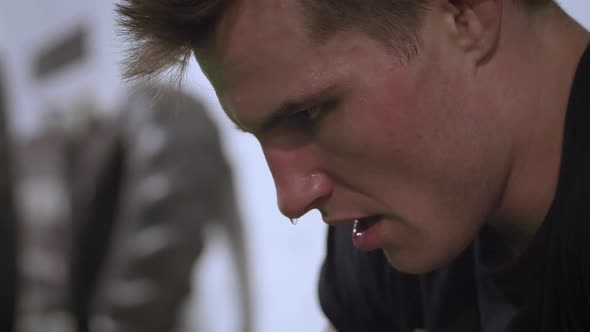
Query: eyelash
(308, 116)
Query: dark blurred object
(46, 227)
(96, 168)
(71, 49)
(8, 274)
(144, 190)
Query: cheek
(424, 153)
(378, 116)
(380, 130)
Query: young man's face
(350, 130)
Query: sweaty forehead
(252, 30)
(262, 58)
(259, 56)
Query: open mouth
(362, 225)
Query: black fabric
(352, 303)
(8, 224)
(559, 290)
(94, 235)
(547, 289)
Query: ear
(475, 26)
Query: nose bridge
(298, 181)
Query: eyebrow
(289, 107)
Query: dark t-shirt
(547, 289)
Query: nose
(301, 186)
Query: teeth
(355, 231)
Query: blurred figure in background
(45, 210)
(143, 190)
(8, 275)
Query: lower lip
(369, 239)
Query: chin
(413, 264)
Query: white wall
(26, 27)
(285, 258)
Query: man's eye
(308, 116)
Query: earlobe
(476, 26)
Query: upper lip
(343, 220)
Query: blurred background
(115, 221)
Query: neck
(548, 47)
